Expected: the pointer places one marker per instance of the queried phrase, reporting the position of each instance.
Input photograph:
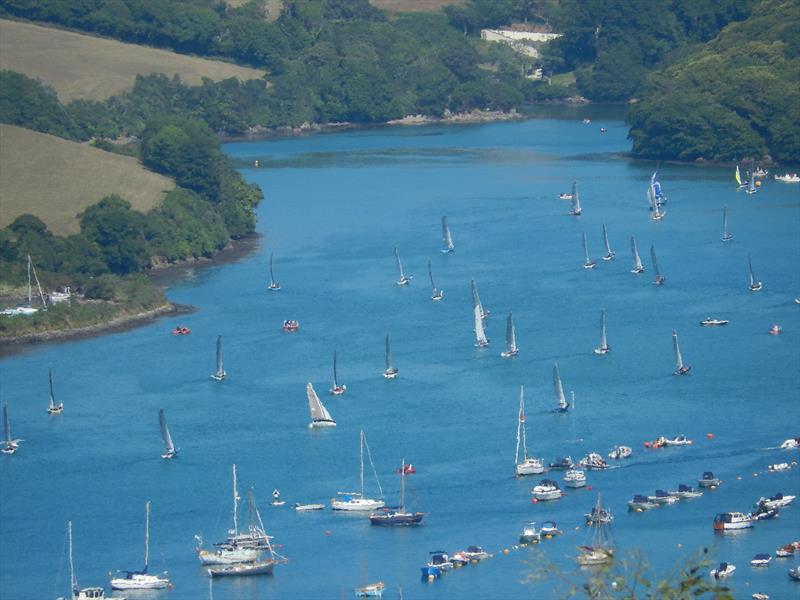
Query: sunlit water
(335, 206)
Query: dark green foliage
(28, 103)
(119, 232)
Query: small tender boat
(711, 322)
(565, 196)
(170, 451)
(403, 280)
(594, 462)
(529, 534)
(709, 481)
(788, 178)
(785, 551)
(511, 339)
(181, 330)
(546, 490)
(576, 209)
(459, 559)
(588, 263)
(524, 465)
(775, 329)
(680, 368)
(9, 445)
(291, 325)
(53, 409)
(795, 573)
(476, 553)
(273, 286)
(610, 254)
(678, 440)
(640, 503)
(308, 507)
(730, 521)
(662, 497)
(686, 492)
(440, 560)
(320, 417)
(575, 478)
(791, 443)
(262, 567)
(603, 348)
(660, 279)
(371, 590)
(562, 463)
(337, 389)
(723, 570)
(763, 512)
(390, 372)
(754, 286)
(549, 529)
(276, 498)
(637, 261)
(726, 236)
(777, 467)
(620, 452)
(449, 247)
(779, 500)
(436, 293)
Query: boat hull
(529, 467)
(139, 581)
(396, 519)
(357, 504)
(260, 568)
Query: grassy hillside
(86, 67)
(55, 179)
(397, 6)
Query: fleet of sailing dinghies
(53, 409)
(660, 279)
(680, 368)
(219, 371)
(170, 451)
(576, 209)
(10, 445)
(320, 417)
(436, 293)
(588, 263)
(358, 501)
(603, 348)
(511, 339)
(141, 580)
(726, 235)
(610, 254)
(447, 238)
(273, 286)
(637, 261)
(755, 286)
(403, 279)
(524, 465)
(337, 389)
(562, 405)
(391, 371)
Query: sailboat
(603, 348)
(755, 286)
(481, 341)
(610, 254)
(436, 293)
(219, 373)
(53, 409)
(576, 210)
(658, 193)
(738, 177)
(447, 238)
(399, 516)
(320, 417)
(600, 549)
(403, 279)
(28, 308)
(660, 279)
(751, 183)
(726, 237)
(680, 368)
(391, 371)
(511, 339)
(337, 389)
(9, 445)
(76, 593)
(141, 580)
(637, 261)
(357, 501)
(528, 465)
(588, 263)
(170, 450)
(273, 286)
(563, 405)
(476, 300)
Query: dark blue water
(335, 207)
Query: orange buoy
(710, 436)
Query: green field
(55, 179)
(396, 6)
(87, 67)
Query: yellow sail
(738, 177)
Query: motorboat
(261, 567)
(785, 551)
(575, 478)
(546, 490)
(791, 443)
(779, 500)
(778, 467)
(730, 521)
(549, 529)
(662, 497)
(371, 590)
(709, 481)
(407, 469)
(440, 560)
(593, 462)
(562, 463)
(476, 553)
(640, 503)
(565, 196)
(679, 440)
(685, 492)
(599, 515)
(712, 322)
(795, 573)
(291, 325)
(775, 329)
(459, 559)
(788, 178)
(430, 573)
(723, 570)
(620, 452)
(763, 512)
(529, 534)
(308, 507)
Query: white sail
(603, 340)
(319, 414)
(480, 335)
(447, 238)
(559, 389)
(335, 378)
(651, 197)
(637, 261)
(726, 236)
(271, 272)
(750, 269)
(511, 335)
(521, 433)
(576, 201)
(31, 267)
(676, 346)
(165, 435)
(609, 252)
(436, 294)
(388, 354)
(476, 300)
(404, 280)
(586, 249)
(219, 373)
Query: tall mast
(38, 285)
(403, 487)
(73, 581)
(399, 264)
(430, 274)
(362, 463)
(30, 295)
(271, 274)
(335, 381)
(678, 357)
(235, 504)
(605, 239)
(522, 422)
(603, 342)
(146, 534)
(52, 396)
(750, 265)
(388, 353)
(585, 248)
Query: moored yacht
(141, 580)
(575, 478)
(524, 465)
(357, 501)
(546, 490)
(686, 492)
(709, 481)
(662, 497)
(640, 503)
(730, 521)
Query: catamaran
(637, 261)
(588, 263)
(141, 580)
(603, 348)
(170, 450)
(600, 549)
(273, 285)
(481, 341)
(660, 279)
(53, 409)
(436, 293)
(391, 371)
(576, 201)
(320, 417)
(726, 236)
(476, 300)
(755, 286)
(447, 238)
(337, 389)
(219, 373)
(528, 465)
(399, 516)
(357, 501)
(561, 401)
(403, 279)
(77, 593)
(9, 445)
(610, 254)
(680, 368)
(511, 339)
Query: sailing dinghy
(558, 389)
(476, 300)
(53, 409)
(337, 389)
(481, 341)
(170, 450)
(436, 293)
(391, 371)
(449, 247)
(527, 465)
(576, 209)
(142, 580)
(637, 261)
(726, 236)
(610, 254)
(320, 417)
(511, 339)
(9, 445)
(273, 286)
(680, 368)
(752, 188)
(404, 280)
(755, 286)
(603, 348)
(738, 177)
(660, 279)
(357, 501)
(588, 263)
(219, 372)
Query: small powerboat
(641, 503)
(795, 573)
(430, 573)
(762, 513)
(723, 570)
(565, 196)
(529, 534)
(779, 500)
(291, 325)
(680, 440)
(308, 507)
(775, 329)
(711, 322)
(593, 462)
(371, 590)
(575, 478)
(761, 560)
(476, 553)
(440, 560)
(620, 452)
(785, 551)
(709, 481)
(662, 497)
(562, 463)
(791, 443)
(686, 492)
(778, 467)
(732, 520)
(549, 529)
(546, 490)
(181, 330)
(459, 559)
